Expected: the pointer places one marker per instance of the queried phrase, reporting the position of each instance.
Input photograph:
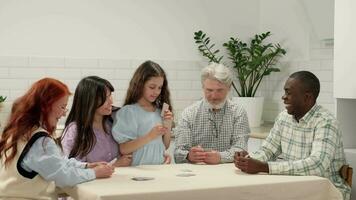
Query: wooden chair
(346, 174)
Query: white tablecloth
(215, 182)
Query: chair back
(346, 173)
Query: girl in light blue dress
(138, 125)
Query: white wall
(71, 39)
(120, 29)
(291, 26)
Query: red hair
(30, 112)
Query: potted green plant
(2, 99)
(251, 62)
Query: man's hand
(196, 154)
(250, 165)
(240, 154)
(212, 157)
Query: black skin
(298, 101)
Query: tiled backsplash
(18, 73)
(320, 63)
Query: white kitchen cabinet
(344, 49)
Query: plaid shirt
(225, 131)
(311, 147)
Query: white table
(215, 182)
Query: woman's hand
(94, 164)
(103, 171)
(124, 161)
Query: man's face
(295, 98)
(215, 92)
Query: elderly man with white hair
(211, 130)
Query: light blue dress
(132, 122)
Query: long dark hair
(90, 94)
(29, 112)
(143, 73)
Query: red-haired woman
(31, 162)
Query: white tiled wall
(320, 63)
(18, 73)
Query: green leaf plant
(251, 62)
(2, 99)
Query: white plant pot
(254, 108)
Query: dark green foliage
(250, 61)
(2, 99)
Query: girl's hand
(168, 115)
(167, 158)
(158, 130)
(168, 119)
(124, 161)
(103, 171)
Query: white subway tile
(33, 73)
(81, 62)
(4, 72)
(182, 65)
(115, 64)
(103, 73)
(15, 93)
(186, 95)
(5, 93)
(46, 62)
(180, 85)
(323, 75)
(124, 73)
(137, 62)
(14, 61)
(71, 83)
(196, 85)
(188, 75)
(10, 84)
(64, 73)
(321, 54)
(326, 86)
(326, 98)
(120, 84)
(171, 74)
(310, 65)
(181, 104)
(327, 64)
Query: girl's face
(58, 110)
(106, 108)
(152, 89)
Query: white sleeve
(45, 158)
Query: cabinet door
(344, 49)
